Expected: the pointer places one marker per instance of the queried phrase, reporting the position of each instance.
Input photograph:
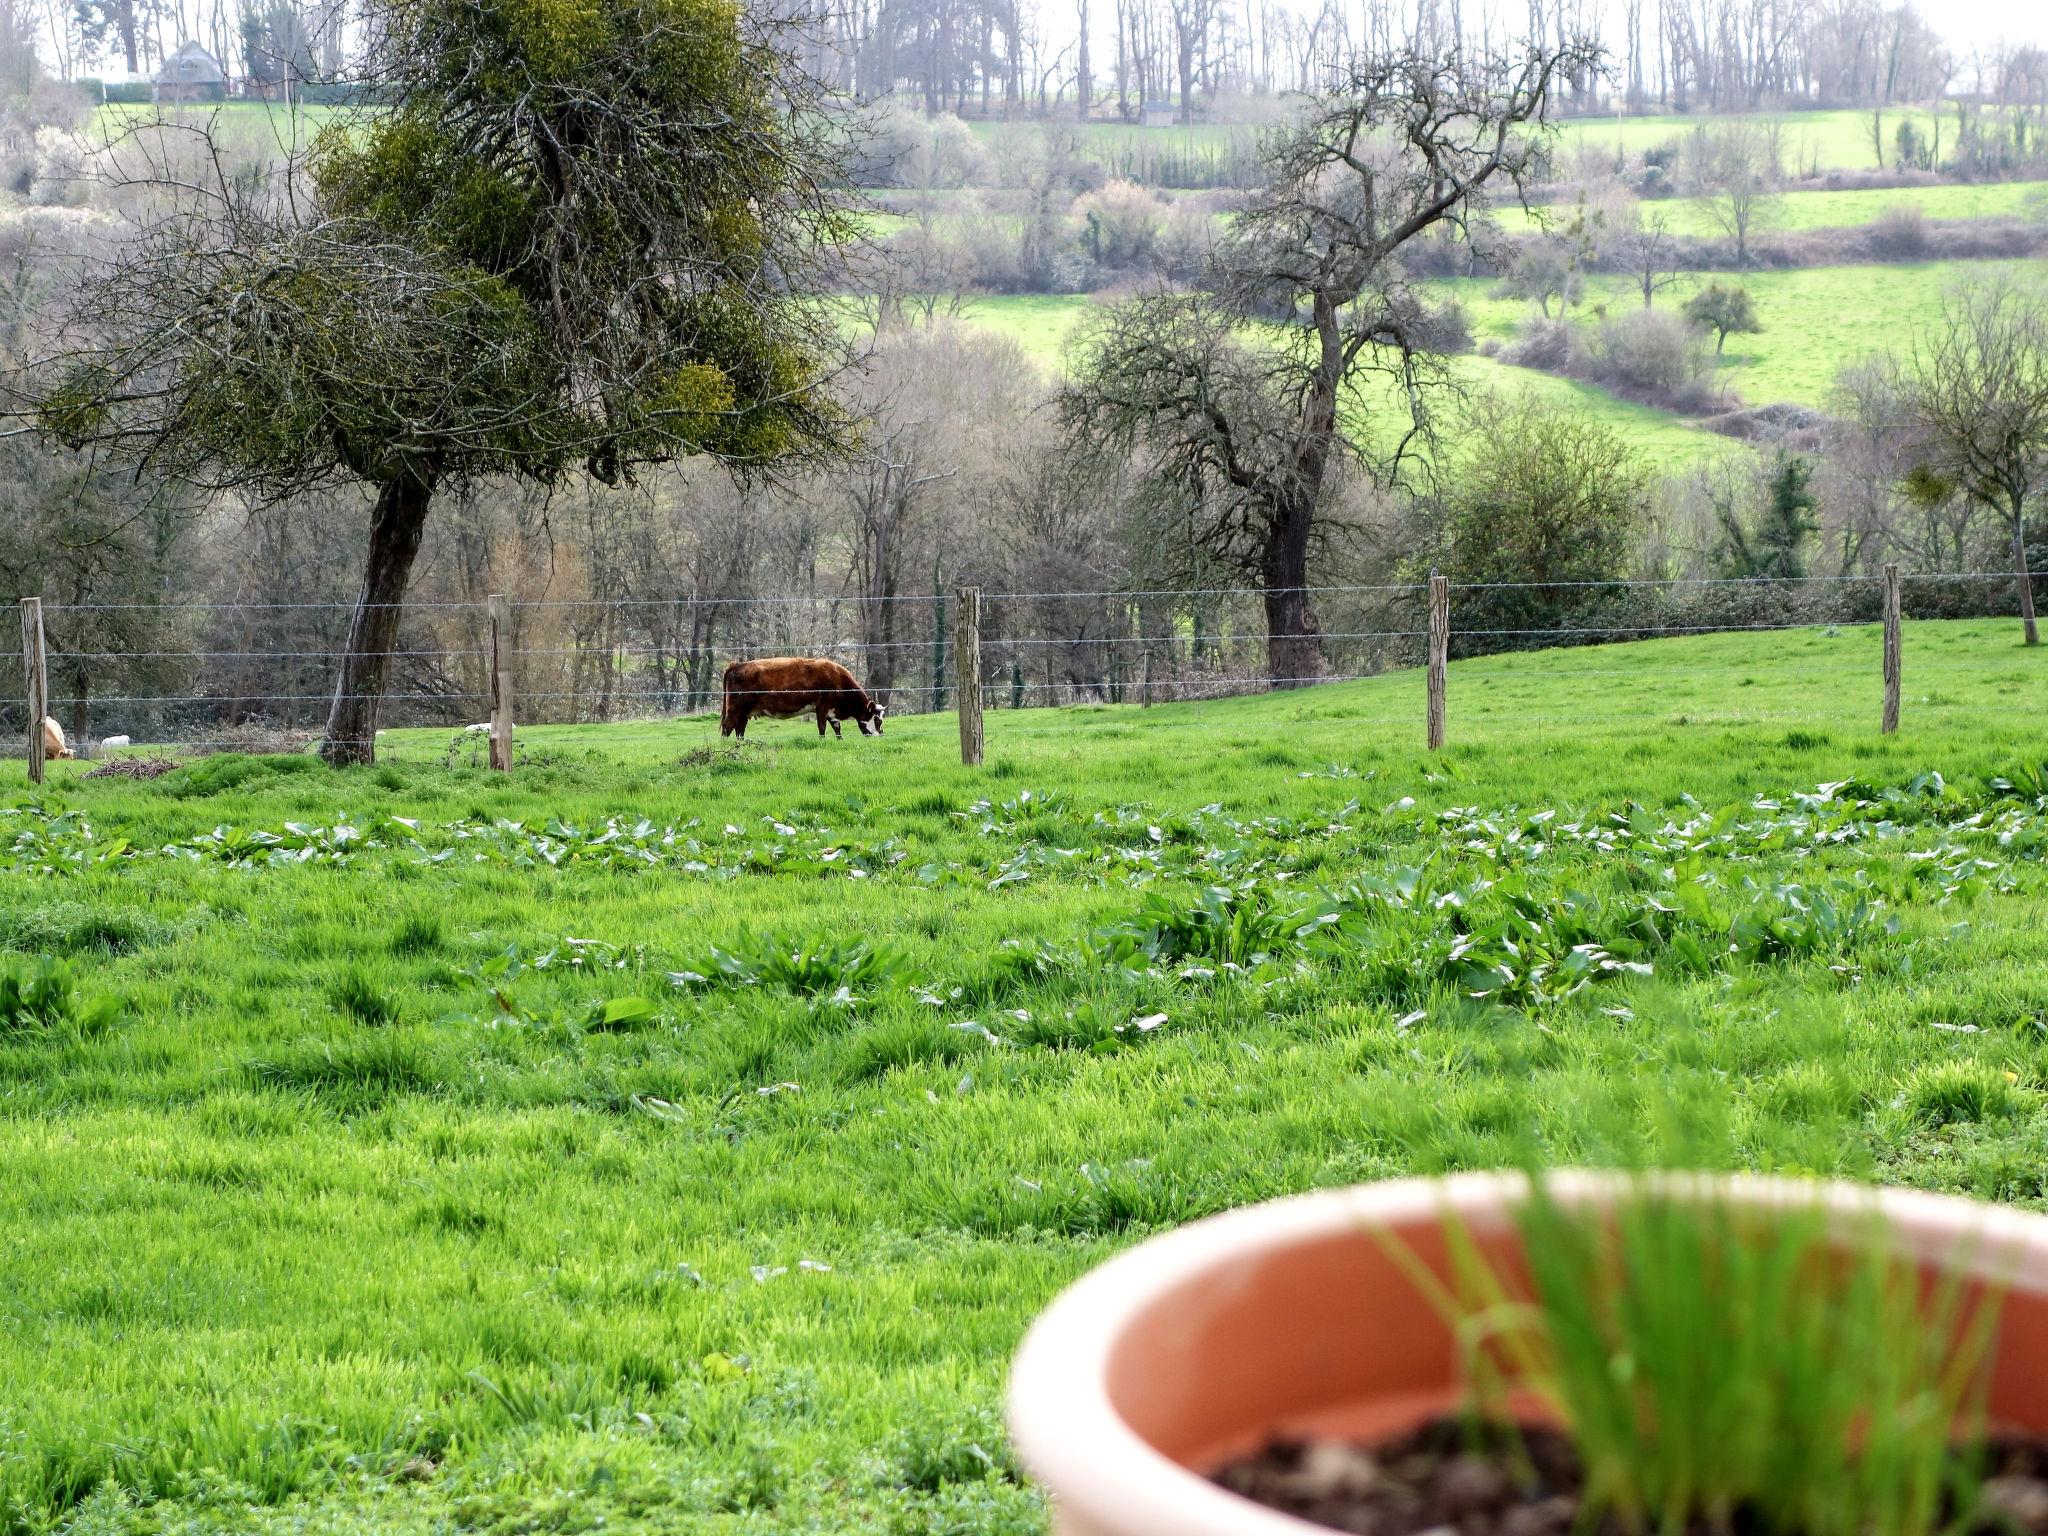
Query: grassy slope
(311, 1231)
(1821, 209)
(1042, 325)
(1815, 320)
(1837, 140)
(1833, 140)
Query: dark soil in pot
(1442, 1480)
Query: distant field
(1815, 320)
(1840, 210)
(294, 123)
(1043, 324)
(1827, 141)
(1830, 141)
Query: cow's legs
(821, 719)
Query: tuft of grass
(43, 998)
(357, 996)
(810, 967)
(1722, 1365)
(1960, 1093)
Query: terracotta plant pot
(1292, 1318)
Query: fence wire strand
(614, 676)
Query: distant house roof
(191, 65)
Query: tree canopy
(1236, 392)
(576, 235)
(1723, 310)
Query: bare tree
(1248, 432)
(1648, 252)
(1977, 390)
(1735, 169)
(1192, 22)
(884, 489)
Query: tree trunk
(2024, 576)
(1294, 645)
(81, 707)
(395, 527)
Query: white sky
(1969, 26)
(1972, 24)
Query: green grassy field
(1836, 140)
(1043, 325)
(1815, 320)
(261, 121)
(1820, 209)
(492, 1167)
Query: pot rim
(1075, 1442)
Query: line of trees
(485, 341)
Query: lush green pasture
(1815, 320)
(1831, 141)
(1044, 324)
(1826, 140)
(1822, 209)
(278, 122)
(493, 1169)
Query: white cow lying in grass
(53, 739)
(117, 741)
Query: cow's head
(872, 718)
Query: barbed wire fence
(259, 676)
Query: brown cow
(782, 686)
(54, 745)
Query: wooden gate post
(967, 672)
(1439, 654)
(36, 665)
(501, 683)
(1891, 648)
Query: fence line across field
(958, 650)
(992, 595)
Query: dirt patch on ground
(1446, 1479)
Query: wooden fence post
(35, 664)
(1891, 648)
(501, 683)
(1439, 654)
(967, 672)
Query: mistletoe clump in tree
(577, 234)
(1241, 395)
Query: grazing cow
(53, 739)
(782, 686)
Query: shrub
(1186, 239)
(908, 149)
(1120, 224)
(1551, 497)
(1544, 344)
(1546, 271)
(1898, 234)
(62, 177)
(1645, 354)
